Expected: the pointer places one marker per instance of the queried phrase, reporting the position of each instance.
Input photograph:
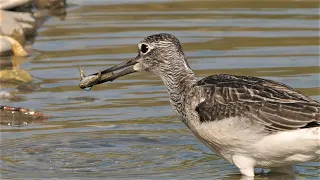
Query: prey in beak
(86, 82)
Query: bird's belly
(228, 139)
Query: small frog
(86, 82)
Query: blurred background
(127, 129)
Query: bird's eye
(144, 48)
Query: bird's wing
(276, 106)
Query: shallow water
(127, 129)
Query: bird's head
(159, 53)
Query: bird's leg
(245, 164)
(248, 171)
(247, 178)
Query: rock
(4, 95)
(16, 25)
(49, 4)
(15, 76)
(17, 116)
(5, 48)
(10, 27)
(47, 8)
(9, 4)
(10, 46)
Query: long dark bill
(128, 65)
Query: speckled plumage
(276, 106)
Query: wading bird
(249, 121)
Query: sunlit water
(127, 129)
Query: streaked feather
(277, 106)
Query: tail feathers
(312, 124)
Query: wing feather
(274, 105)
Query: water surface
(127, 129)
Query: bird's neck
(179, 82)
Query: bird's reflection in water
(260, 175)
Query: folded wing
(276, 106)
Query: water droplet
(87, 88)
